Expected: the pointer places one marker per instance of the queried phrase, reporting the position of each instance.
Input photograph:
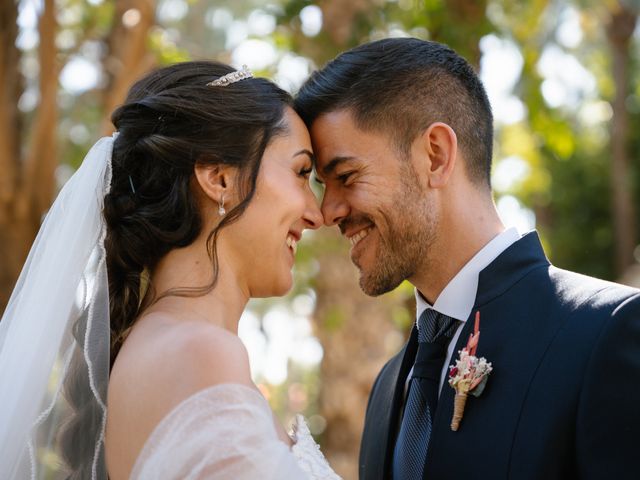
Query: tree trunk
(619, 32)
(39, 170)
(26, 186)
(358, 336)
(10, 91)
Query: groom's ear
(439, 151)
(215, 181)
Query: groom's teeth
(359, 236)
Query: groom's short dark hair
(400, 86)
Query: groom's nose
(334, 208)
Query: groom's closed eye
(343, 163)
(344, 177)
(330, 168)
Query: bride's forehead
(290, 141)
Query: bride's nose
(312, 215)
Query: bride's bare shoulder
(162, 363)
(189, 356)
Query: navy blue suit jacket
(563, 400)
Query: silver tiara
(232, 77)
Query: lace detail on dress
(308, 454)
(227, 432)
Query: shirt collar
(458, 297)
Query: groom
(402, 130)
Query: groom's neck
(465, 227)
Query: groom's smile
(360, 243)
(372, 195)
(356, 228)
(356, 237)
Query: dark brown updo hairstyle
(171, 121)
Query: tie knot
(433, 325)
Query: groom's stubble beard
(410, 233)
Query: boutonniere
(469, 375)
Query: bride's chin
(283, 288)
(276, 287)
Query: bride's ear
(215, 181)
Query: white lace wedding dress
(227, 432)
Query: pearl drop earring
(221, 209)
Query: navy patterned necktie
(434, 334)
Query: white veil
(56, 327)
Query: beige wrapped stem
(458, 410)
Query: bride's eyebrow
(304, 151)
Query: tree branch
(129, 57)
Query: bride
(119, 353)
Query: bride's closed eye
(305, 172)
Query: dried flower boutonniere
(469, 375)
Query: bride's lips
(293, 237)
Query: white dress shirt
(457, 298)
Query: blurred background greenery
(563, 77)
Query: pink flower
(453, 371)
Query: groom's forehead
(335, 123)
(336, 134)
(338, 140)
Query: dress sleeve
(223, 432)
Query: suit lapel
(507, 269)
(508, 325)
(383, 414)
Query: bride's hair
(170, 121)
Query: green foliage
(568, 180)
(166, 51)
(567, 183)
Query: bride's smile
(261, 245)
